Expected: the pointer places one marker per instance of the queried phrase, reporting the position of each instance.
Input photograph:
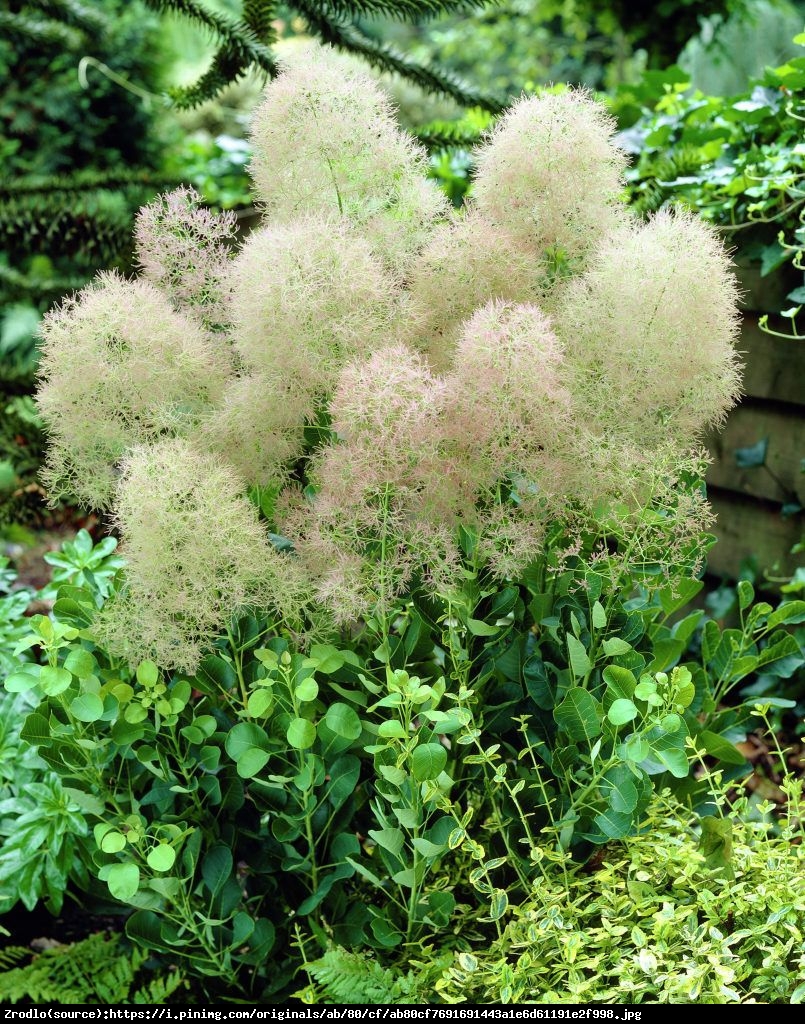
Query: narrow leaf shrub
(659, 921)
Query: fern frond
(386, 58)
(12, 955)
(158, 989)
(353, 978)
(97, 970)
(657, 180)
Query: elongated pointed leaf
(578, 715)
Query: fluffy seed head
(651, 330)
(550, 176)
(119, 367)
(183, 249)
(326, 142)
(372, 482)
(467, 263)
(258, 429)
(306, 297)
(509, 384)
(196, 554)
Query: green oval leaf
(579, 660)
(147, 674)
(620, 681)
(80, 662)
(113, 842)
(216, 868)
(343, 721)
(123, 881)
(479, 628)
(88, 707)
(307, 690)
(717, 746)
(577, 716)
(251, 762)
(428, 761)
(243, 737)
(622, 711)
(635, 749)
(23, 680)
(392, 730)
(54, 680)
(161, 858)
(301, 734)
(259, 703)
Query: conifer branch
(387, 58)
(41, 31)
(447, 134)
(408, 10)
(246, 42)
(73, 12)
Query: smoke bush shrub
(579, 355)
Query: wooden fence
(748, 501)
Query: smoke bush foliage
(528, 379)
